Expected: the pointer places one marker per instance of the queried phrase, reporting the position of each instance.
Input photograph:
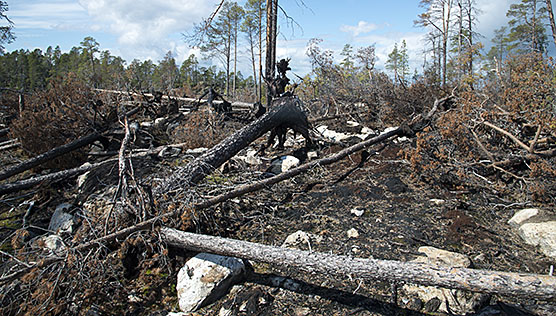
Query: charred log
(286, 113)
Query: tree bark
(551, 17)
(55, 152)
(483, 281)
(49, 155)
(31, 182)
(271, 29)
(4, 131)
(286, 112)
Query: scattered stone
(353, 233)
(437, 201)
(312, 155)
(302, 311)
(540, 234)
(61, 221)
(205, 278)
(54, 244)
(82, 179)
(357, 211)
(442, 300)
(132, 298)
(435, 256)
(522, 216)
(332, 135)
(283, 164)
(300, 238)
(160, 122)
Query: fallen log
(55, 152)
(194, 101)
(10, 146)
(4, 131)
(286, 112)
(49, 155)
(56, 176)
(473, 280)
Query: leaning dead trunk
(286, 112)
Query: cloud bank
(149, 28)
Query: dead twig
(512, 137)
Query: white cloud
(361, 28)
(143, 26)
(62, 14)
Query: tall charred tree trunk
(235, 61)
(551, 17)
(255, 88)
(260, 51)
(271, 30)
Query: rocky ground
(369, 205)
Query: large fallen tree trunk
(483, 281)
(286, 112)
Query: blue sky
(147, 29)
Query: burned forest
(157, 189)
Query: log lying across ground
(55, 152)
(237, 104)
(49, 155)
(483, 281)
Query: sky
(148, 29)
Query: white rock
(438, 201)
(205, 278)
(455, 302)
(312, 155)
(283, 164)
(441, 257)
(61, 221)
(353, 233)
(353, 123)
(523, 215)
(357, 211)
(159, 122)
(55, 244)
(367, 131)
(452, 302)
(250, 158)
(146, 125)
(299, 238)
(330, 134)
(542, 235)
(81, 179)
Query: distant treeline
(29, 71)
